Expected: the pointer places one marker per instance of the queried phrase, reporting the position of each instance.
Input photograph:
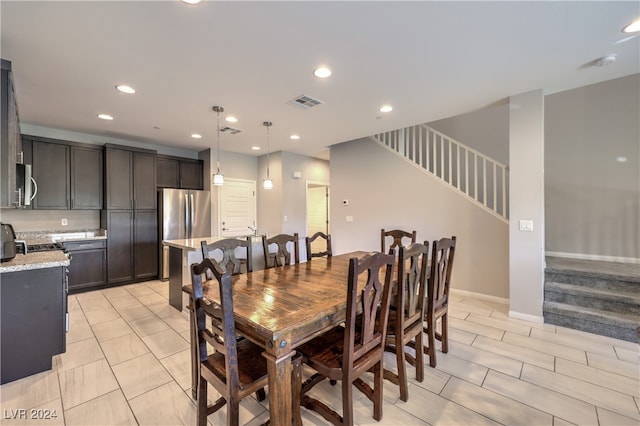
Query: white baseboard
(481, 296)
(526, 317)
(593, 257)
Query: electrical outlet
(63, 222)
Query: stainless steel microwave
(26, 186)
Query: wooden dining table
(280, 309)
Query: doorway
(317, 211)
(237, 208)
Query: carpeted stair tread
(613, 318)
(628, 272)
(632, 298)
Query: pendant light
(267, 183)
(218, 178)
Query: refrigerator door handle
(187, 212)
(192, 206)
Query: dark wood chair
(282, 256)
(405, 325)
(309, 241)
(345, 353)
(397, 236)
(226, 251)
(236, 368)
(437, 303)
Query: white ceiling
(430, 60)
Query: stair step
(591, 297)
(604, 275)
(625, 326)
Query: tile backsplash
(24, 220)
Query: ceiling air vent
(230, 130)
(304, 102)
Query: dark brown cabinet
(131, 216)
(182, 173)
(33, 320)
(51, 171)
(88, 267)
(10, 142)
(68, 174)
(86, 178)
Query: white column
(526, 193)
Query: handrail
(473, 174)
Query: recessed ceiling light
(231, 119)
(125, 89)
(191, 1)
(621, 159)
(196, 136)
(105, 116)
(386, 108)
(294, 137)
(322, 72)
(632, 27)
(255, 148)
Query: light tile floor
(127, 362)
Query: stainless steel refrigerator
(183, 214)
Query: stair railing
(474, 175)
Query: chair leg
(445, 333)
(402, 368)
(261, 394)
(233, 412)
(347, 402)
(419, 358)
(378, 383)
(431, 340)
(202, 402)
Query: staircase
(473, 175)
(594, 296)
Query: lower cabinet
(132, 245)
(33, 320)
(88, 267)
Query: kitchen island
(184, 252)
(33, 311)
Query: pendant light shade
(267, 183)
(218, 178)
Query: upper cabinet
(176, 172)
(130, 178)
(10, 143)
(68, 175)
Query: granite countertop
(40, 260)
(194, 244)
(42, 237)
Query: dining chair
(346, 352)
(397, 236)
(235, 368)
(310, 240)
(282, 255)
(437, 303)
(225, 250)
(405, 325)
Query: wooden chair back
(375, 301)
(441, 267)
(226, 249)
(412, 283)
(438, 287)
(309, 241)
(397, 235)
(282, 255)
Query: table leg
(279, 370)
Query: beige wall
(383, 191)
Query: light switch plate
(526, 225)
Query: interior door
(317, 212)
(237, 207)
